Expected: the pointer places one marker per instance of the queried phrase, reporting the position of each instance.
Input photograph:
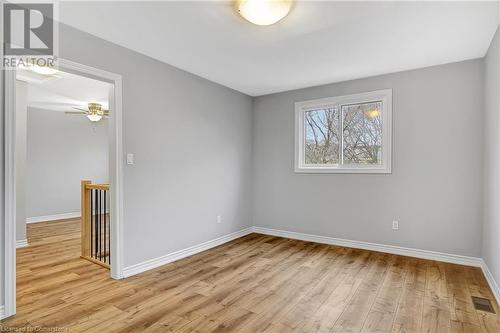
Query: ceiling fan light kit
(94, 113)
(263, 12)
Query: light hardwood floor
(254, 284)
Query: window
(346, 134)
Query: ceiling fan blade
(80, 109)
(75, 112)
(69, 105)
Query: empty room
(250, 166)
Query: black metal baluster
(94, 211)
(91, 224)
(102, 240)
(105, 234)
(109, 241)
(100, 226)
(92, 218)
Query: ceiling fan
(94, 112)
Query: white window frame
(385, 96)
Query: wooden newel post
(85, 218)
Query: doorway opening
(67, 186)
(61, 142)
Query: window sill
(343, 170)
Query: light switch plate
(130, 159)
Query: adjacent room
(250, 166)
(62, 153)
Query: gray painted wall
(192, 144)
(21, 119)
(61, 151)
(491, 226)
(435, 187)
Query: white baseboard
(491, 281)
(404, 251)
(21, 243)
(2, 312)
(174, 256)
(46, 218)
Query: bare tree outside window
(362, 133)
(322, 139)
(344, 134)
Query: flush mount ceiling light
(263, 12)
(42, 70)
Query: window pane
(362, 133)
(322, 136)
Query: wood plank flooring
(256, 283)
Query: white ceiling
(64, 91)
(318, 43)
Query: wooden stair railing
(95, 226)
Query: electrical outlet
(395, 225)
(219, 219)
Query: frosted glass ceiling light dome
(94, 117)
(263, 12)
(44, 70)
